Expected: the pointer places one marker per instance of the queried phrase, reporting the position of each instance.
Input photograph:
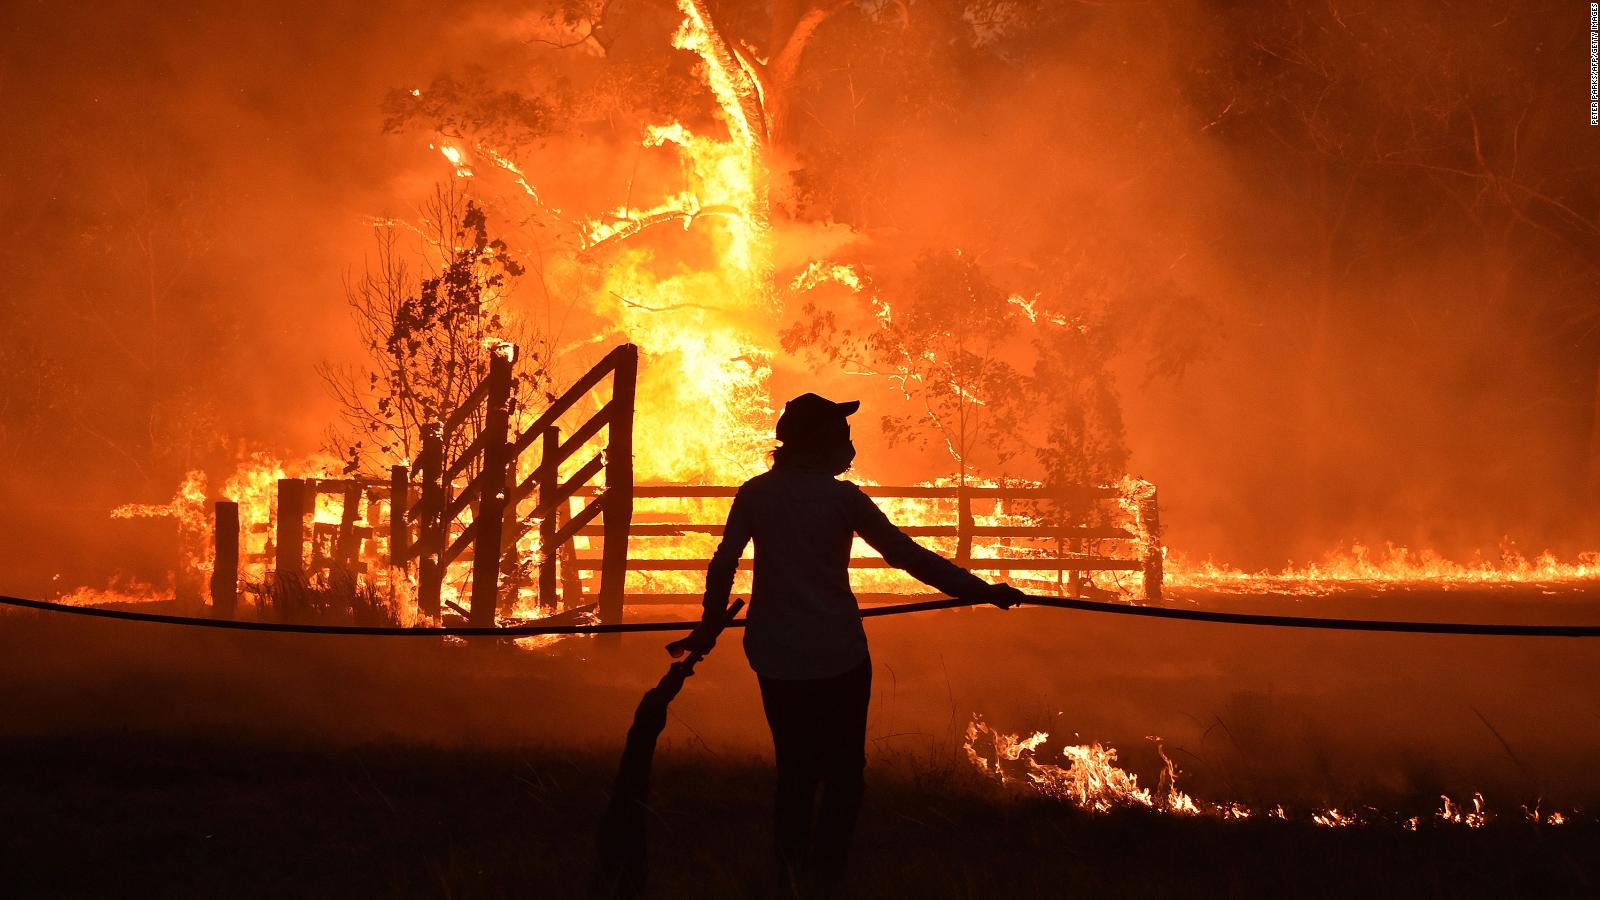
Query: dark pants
(819, 735)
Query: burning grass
(201, 817)
(1089, 778)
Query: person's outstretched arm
(719, 578)
(928, 567)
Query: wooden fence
(475, 508)
(301, 549)
(1075, 545)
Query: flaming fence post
(431, 528)
(550, 445)
(617, 513)
(290, 573)
(225, 568)
(488, 522)
(1150, 524)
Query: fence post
(399, 497)
(290, 572)
(1150, 525)
(549, 481)
(432, 530)
(225, 568)
(489, 521)
(1075, 577)
(512, 572)
(567, 558)
(617, 514)
(963, 526)
(347, 548)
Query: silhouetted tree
(427, 336)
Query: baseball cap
(810, 417)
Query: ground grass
(127, 815)
(156, 761)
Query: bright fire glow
(706, 330)
(706, 326)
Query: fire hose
(621, 839)
(1092, 606)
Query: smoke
(1319, 329)
(186, 188)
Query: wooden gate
(430, 499)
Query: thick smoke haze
(185, 188)
(1353, 249)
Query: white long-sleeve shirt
(803, 618)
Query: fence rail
(1141, 537)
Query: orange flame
(1091, 779)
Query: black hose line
(1121, 609)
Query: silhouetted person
(804, 638)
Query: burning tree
(426, 337)
(706, 312)
(944, 350)
(1041, 406)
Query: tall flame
(706, 329)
